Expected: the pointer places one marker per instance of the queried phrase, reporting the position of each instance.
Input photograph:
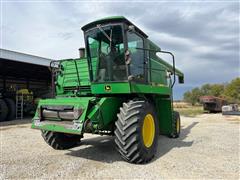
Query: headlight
(77, 112)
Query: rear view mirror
(181, 79)
(127, 57)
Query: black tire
(3, 110)
(129, 132)
(176, 123)
(60, 141)
(11, 109)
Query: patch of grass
(191, 111)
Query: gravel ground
(207, 148)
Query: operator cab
(115, 51)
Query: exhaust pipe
(81, 52)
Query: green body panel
(52, 124)
(114, 88)
(163, 106)
(101, 112)
(150, 89)
(78, 102)
(67, 80)
(158, 73)
(128, 88)
(105, 112)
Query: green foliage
(230, 91)
(192, 96)
(206, 89)
(217, 90)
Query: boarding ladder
(19, 105)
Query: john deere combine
(120, 87)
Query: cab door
(137, 65)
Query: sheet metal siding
(26, 58)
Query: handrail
(77, 74)
(174, 72)
(173, 59)
(54, 67)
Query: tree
(217, 90)
(232, 91)
(187, 96)
(206, 88)
(212, 89)
(192, 96)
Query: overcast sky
(203, 35)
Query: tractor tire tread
(127, 136)
(176, 116)
(60, 141)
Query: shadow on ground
(165, 144)
(102, 148)
(16, 122)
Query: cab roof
(112, 19)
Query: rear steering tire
(137, 131)
(60, 141)
(176, 124)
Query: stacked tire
(7, 109)
(3, 110)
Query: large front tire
(137, 131)
(60, 141)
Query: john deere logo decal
(108, 88)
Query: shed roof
(22, 57)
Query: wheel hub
(178, 125)
(148, 130)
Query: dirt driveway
(207, 148)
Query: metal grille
(82, 88)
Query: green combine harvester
(119, 87)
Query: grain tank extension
(121, 88)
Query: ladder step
(20, 99)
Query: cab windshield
(106, 53)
